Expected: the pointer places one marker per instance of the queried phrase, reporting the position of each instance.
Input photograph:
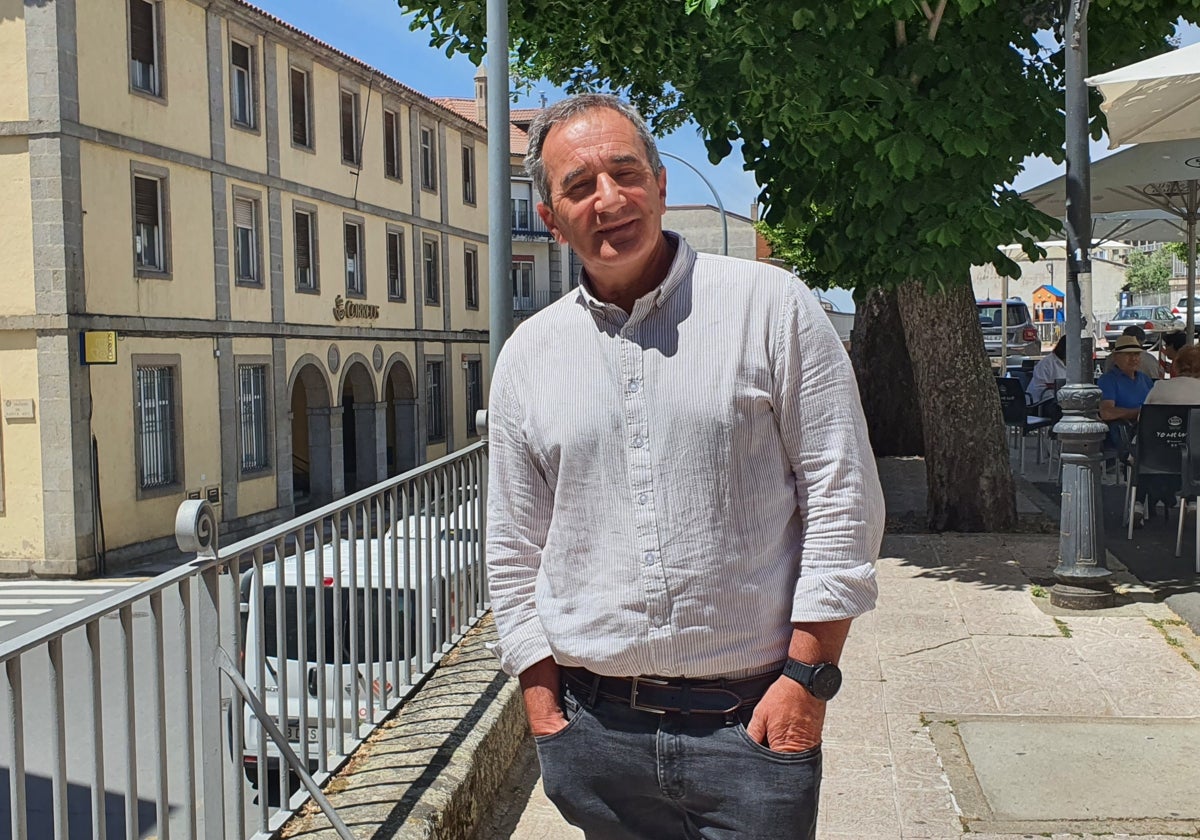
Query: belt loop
(685, 700)
(595, 690)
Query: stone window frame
(361, 223)
(314, 248)
(304, 64)
(141, 169)
(470, 175)
(154, 360)
(396, 230)
(430, 363)
(470, 259)
(160, 52)
(468, 359)
(240, 362)
(247, 39)
(350, 87)
(430, 185)
(435, 241)
(398, 132)
(245, 194)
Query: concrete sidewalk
(973, 706)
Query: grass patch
(1063, 629)
(1038, 591)
(1161, 626)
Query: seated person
(1051, 367)
(1183, 388)
(1147, 363)
(1124, 388)
(1170, 345)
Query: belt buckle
(633, 694)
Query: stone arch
(363, 425)
(316, 467)
(400, 400)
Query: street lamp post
(1082, 574)
(500, 317)
(713, 190)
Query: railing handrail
(98, 609)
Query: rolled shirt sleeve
(836, 481)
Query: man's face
(1128, 361)
(605, 202)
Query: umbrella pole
(1191, 259)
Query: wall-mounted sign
(213, 495)
(98, 347)
(347, 309)
(18, 409)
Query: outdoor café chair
(1020, 419)
(1158, 448)
(1190, 484)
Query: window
(148, 240)
(434, 393)
(156, 430)
(241, 84)
(355, 282)
(395, 265)
(520, 214)
(305, 224)
(468, 174)
(252, 402)
(429, 262)
(349, 127)
(144, 60)
(522, 280)
(471, 276)
(245, 240)
(474, 393)
(391, 144)
(429, 176)
(301, 114)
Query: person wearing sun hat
(1123, 389)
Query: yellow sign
(100, 347)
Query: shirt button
(656, 620)
(634, 386)
(643, 498)
(649, 557)
(637, 443)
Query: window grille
(157, 466)
(252, 382)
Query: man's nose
(608, 194)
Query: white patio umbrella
(1149, 192)
(1154, 100)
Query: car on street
(1181, 308)
(1022, 334)
(1155, 320)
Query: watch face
(826, 682)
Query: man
(1123, 390)
(683, 510)
(1147, 363)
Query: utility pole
(500, 315)
(1082, 574)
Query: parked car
(1022, 334)
(1155, 320)
(1180, 310)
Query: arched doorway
(312, 463)
(400, 398)
(360, 442)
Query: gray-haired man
(684, 510)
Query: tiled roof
(346, 56)
(518, 140)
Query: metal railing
(529, 224)
(283, 650)
(535, 300)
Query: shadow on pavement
(39, 810)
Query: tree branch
(928, 12)
(901, 34)
(936, 20)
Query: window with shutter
(391, 145)
(245, 246)
(305, 277)
(354, 272)
(300, 115)
(428, 160)
(147, 222)
(241, 84)
(432, 281)
(471, 277)
(349, 127)
(395, 265)
(468, 174)
(143, 46)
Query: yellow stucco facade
(298, 302)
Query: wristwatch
(822, 680)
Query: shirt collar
(681, 267)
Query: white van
(367, 640)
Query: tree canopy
(878, 129)
(1149, 271)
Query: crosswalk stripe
(6, 611)
(5, 623)
(34, 602)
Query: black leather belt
(669, 696)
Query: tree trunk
(885, 377)
(966, 459)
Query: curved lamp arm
(720, 206)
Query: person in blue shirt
(1124, 388)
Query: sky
(376, 32)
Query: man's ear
(662, 185)
(547, 216)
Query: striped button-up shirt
(670, 489)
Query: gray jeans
(622, 774)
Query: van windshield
(329, 638)
(989, 314)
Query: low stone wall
(434, 768)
